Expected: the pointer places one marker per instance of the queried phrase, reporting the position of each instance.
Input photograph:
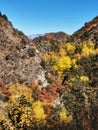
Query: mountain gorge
(50, 82)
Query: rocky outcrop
(19, 58)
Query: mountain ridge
(88, 32)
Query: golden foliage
(17, 91)
(70, 48)
(84, 79)
(62, 64)
(88, 48)
(38, 112)
(62, 52)
(63, 116)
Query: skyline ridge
(43, 16)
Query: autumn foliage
(51, 92)
(69, 101)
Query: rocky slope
(19, 58)
(50, 41)
(88, 32)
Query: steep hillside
(70, 99)
(88, 32)
(19, 58)
(50, 41)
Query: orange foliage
(34, 84)
(50, 93)
(50, 37)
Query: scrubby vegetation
(49, 83)
(69, 101)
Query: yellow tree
(62, 64)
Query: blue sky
(42, 16)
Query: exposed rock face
(88, 32)
(19, 58)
